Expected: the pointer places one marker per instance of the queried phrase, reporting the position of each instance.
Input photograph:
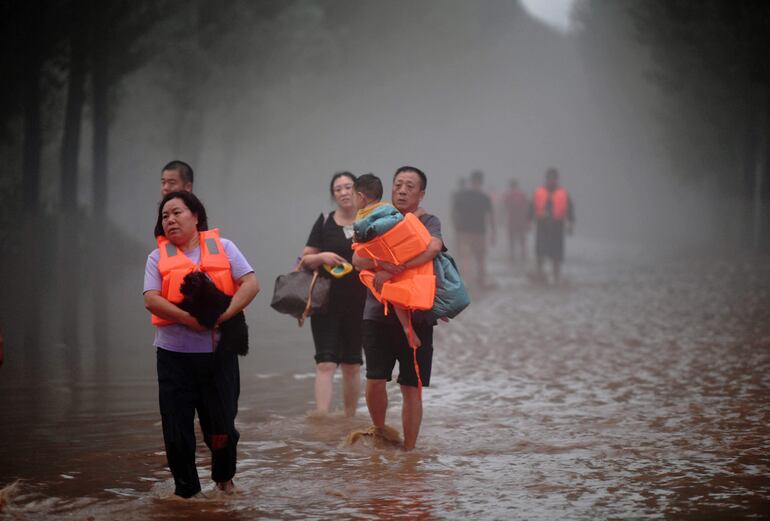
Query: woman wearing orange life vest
(192, 375)
(554, 214)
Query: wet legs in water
(517, 242)
(472, 256)
(351, 387)
(209, 384)
(556, 265)
(411, 414)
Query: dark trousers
(210, 384)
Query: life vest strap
(410, 338)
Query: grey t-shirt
(373, 309)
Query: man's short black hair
(369, 185)
(423, 177)
(185, 170)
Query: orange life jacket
(404, 241)
(559, 202)
(173, 265)
(413, 288)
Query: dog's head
(197, 283)
(202, 299)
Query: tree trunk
(33, 133)
(100, 89)
(32, 214)
(69, 234)
(72, 120)
(760, 161)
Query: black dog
(204, 301)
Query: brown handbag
(301, 293)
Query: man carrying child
(384, 338)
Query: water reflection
(637, 391)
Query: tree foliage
(709, 61)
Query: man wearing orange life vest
(554, 214)
(384, 339)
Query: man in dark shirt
(475, 226)
(383, 337)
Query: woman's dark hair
(420, 173)
(337, 176)
(191, 201)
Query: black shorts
(386, 342)
(337, 337)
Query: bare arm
(389, 270)
(163, 308)
(249, 287)
(313, 258)
(434, 248)
(362, 263)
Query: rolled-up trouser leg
(177, 398)
(217, 409)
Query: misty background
(655, 113)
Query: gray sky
(553, 12)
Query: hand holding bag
(300, 294)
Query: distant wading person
(462, 185)
(192, 374)
(337, 333)
(554, 215)
(384, 339)
(475, 222)
(516, 209)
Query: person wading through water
(337, 333)
(554, 215)
(384, 339)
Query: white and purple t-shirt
(176, 337)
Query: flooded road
(638, 390)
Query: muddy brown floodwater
(638, 390)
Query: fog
(642, 371)
(268, 102)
